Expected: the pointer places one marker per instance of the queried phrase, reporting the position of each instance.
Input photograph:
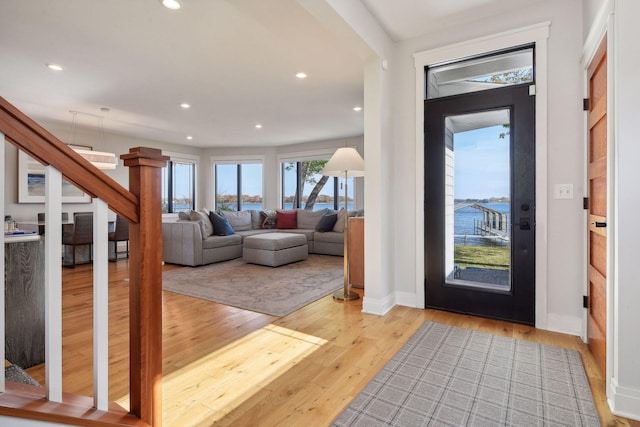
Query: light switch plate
(563, 191)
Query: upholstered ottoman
(275, 249)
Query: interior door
(486, 267)
(597, 206)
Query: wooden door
(597, 207)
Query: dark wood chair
(80, 234)
(120, 234)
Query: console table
(356, 252)
(24, 300)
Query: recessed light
(301, 75)
(258, 126)
(189, 137)
(185, 105)
(357, 108)
(54, 67)
(172, 4)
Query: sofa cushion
(221, 226)
(329, 237)
(221, 241)
(327, 222)
(239, 220)
(184, 216)
(205, 224)
(308, 218)
(256, 219)
(286, 220)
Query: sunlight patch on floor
(209, 388)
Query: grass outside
(496, 258)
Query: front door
(480, 203)
(597, 188)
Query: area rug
(449, 376)
(271, 290)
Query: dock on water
(493, 222)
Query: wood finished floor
(231, 367)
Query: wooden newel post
(145, 285)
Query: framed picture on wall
(31, 180)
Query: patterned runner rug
(450, 376)
(271, 290)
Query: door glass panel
(481, 73)
(477, 205)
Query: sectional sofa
(193, 240)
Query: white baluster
(2, 178)
(53, 284)
(100, 305)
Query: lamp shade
(345, 161)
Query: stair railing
(140, 205)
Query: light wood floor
(227, 366)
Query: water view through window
(477, 209)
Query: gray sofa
(191, 242)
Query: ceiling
(234, 61)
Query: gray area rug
(271, 290)
(449, 376)
(16, 374)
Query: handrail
(37, 142)
(141, 207)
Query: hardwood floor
(231, 367)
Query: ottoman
(275, 249)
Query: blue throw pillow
(221, 226)
(327, 222)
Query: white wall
(564, 163)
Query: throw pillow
(184, 216)
(221, 225)
(268, 219)
(286, 219)
(342, 219)
(327, 222)
(308, 219)
(239, 220)
(206, 222)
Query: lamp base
(342, 296)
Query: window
(238, 185)
(303, 186)
(179, 185)
(481, 73)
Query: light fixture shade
(99, 159)
(345, 161)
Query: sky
(481, 164)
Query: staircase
(140, 205)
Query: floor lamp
(345, 163)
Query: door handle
(599, 224)
(525, 224)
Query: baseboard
(624, 401)
(406, 299)
(378, 306)
(564, 324)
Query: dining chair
(79, 234)
(120, 234)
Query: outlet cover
(563, 191)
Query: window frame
(296, 157)
(236, 160)
(182, 158)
